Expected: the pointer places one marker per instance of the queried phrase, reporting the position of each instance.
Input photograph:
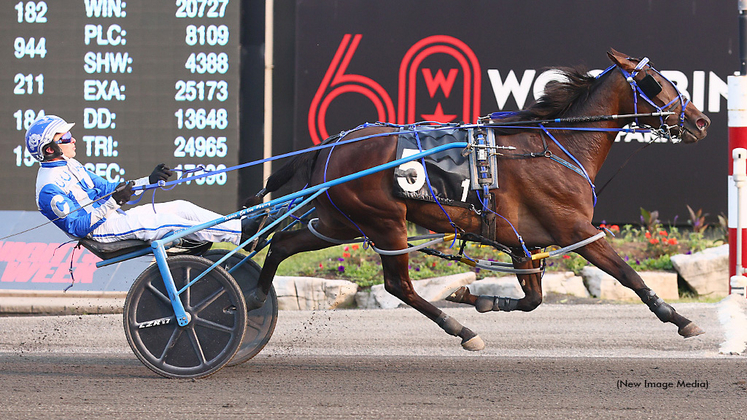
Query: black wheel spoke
(157, 293)
(251, 323)
(170, 345)
(214, 325)
(196, 346)
(208, 300)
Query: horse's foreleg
(530, 283)
(397, 282)
(601, 254)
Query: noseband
(648, 88)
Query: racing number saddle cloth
(447, 176)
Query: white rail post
(738, 281)
(737, 121)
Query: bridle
(648, 88)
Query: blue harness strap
(326, 167)
(579, 169)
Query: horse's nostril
(702, 123)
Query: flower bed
(644, 248)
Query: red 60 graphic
(336, 82)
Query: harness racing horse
(544, 201)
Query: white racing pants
(142, 223)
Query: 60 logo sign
(431, 104)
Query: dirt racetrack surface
(561, 361)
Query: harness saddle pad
(447, 172)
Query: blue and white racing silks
(65, 185)
(78, 202)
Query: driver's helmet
(42, 132)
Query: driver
(63, 185)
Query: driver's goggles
(66, 138)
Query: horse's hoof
(458, 295)
(690, 330)
(473, 344)
(255, 299)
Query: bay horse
(544, 201)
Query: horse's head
(655, 93)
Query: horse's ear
(618, 58)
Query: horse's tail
(300, 164)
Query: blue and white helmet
(42, 132)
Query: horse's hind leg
(531, 284)
(397, 282)
(601, 254)
(283, 245)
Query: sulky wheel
(217, 314)
(260, 323)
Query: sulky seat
(110, 250)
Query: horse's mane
(560, 97)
